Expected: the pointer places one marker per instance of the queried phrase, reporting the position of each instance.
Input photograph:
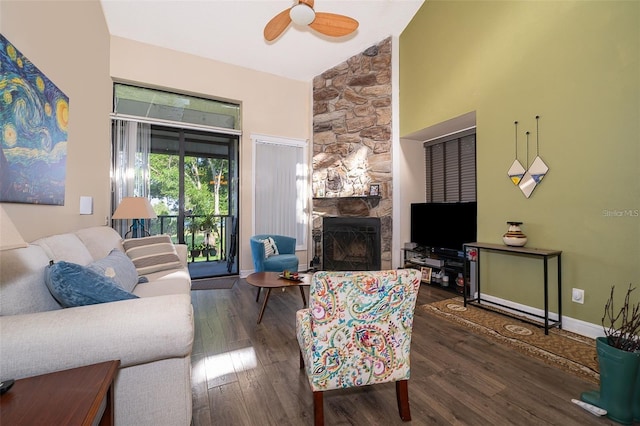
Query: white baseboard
(570, 324)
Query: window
(159, 106)
(451, 168)
(280, 185)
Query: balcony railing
(218, 237)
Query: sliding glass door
(193, 188)
(181, 152)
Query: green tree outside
(206, 193)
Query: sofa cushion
(170, 274)
(22, 289)
(67, 247)
(76, 285)
(163, 288)
(118, 267)
(100, 240)
(152, 254)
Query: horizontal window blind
(451, 169)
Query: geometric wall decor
(535, 172)
(533, 176)
(34, 116)
(516, 171)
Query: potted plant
(195, 251)
(210, 228)
(209, 223)
(193, 226)
(619, 362)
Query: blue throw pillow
(119, 267)
(75, 285)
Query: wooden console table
(80, 396)
(522, 251)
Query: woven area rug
(221, 283)
(568, 351)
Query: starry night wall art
(34, 115)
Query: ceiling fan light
(301, 14)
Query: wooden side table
(69, 397)
(271, 280)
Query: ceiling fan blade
(277, 25)
(333, 25)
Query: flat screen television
(443, 226)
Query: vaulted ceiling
(231, 30)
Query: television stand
(443, 262)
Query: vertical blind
(280, 183)
(130, 168)
(451, 168)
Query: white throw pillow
(275, 247)
(270, 248)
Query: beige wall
(413, 178)
(69, 43)
(271, 105)
(577, 65)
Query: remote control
(5, 385)
(590, 408)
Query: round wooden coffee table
(271, 280)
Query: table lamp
(10, 238)
(138, 209)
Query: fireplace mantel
(371, 200)
(376, 197)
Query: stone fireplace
(352, 151)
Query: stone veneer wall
(352, 141)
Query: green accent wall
(576, 64)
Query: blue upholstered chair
(286, 260)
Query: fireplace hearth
(351, 244)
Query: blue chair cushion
(281, 262)
(76, 285)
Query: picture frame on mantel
(374, 190)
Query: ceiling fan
(302, 13)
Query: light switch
(86, 205)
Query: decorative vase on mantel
(514, 236)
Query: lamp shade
(134, 208)
(10, 238)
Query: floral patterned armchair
(357, 332)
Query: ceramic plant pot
(618, 381)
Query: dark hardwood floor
(247, 374)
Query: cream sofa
(151, 336)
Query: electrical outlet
(577, 295)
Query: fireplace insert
(351, 244)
